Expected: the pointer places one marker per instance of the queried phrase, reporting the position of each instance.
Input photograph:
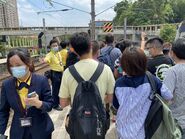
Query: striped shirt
(131, 100)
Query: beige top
(86, 69)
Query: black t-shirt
(159, 65)
(71, 59)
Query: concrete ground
(58, 118)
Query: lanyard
(59, 58)
(23, 110)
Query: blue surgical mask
(55, 49)
(19, 72)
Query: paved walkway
(58, 118)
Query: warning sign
(108, 27)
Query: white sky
(28, 9)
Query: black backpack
(106, 58)
(88, 118)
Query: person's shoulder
(49, 55)
(66, 73)
(8, 81)
(120, 81)
(107, 68)
(176, 68)
(38, 77)
(116, 50)
(150, 61)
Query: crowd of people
(120, 85)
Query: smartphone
(32, 94)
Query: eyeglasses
(147, 48)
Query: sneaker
(58, 108)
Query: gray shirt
(175, 81)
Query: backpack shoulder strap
(75, 74)
(98, 72)
(152, 82)
(110, 50)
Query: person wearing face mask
(29, 96)
(159, 63)
(54, 59)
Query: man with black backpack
(86, 86)
(109, 53)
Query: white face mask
(55, 49)
(147, 53)
(19, 71)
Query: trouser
(56, 81)
(183, 133)
(27, 135)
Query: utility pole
(93, 19)
(44, 30)
(125, 28)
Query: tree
(179, 10)
(141, 12)
(168, 32)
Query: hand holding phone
(33, 100)
(32, 94)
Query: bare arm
(64, 102)
(108, 98)
(143, 35)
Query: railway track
(40, 68)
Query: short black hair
(122, 45)
(178, 48)
(109, 38)
(54, 40)
(81, 43)
(24, 55)
(158, 42)
(64, 44)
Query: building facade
(9, 14)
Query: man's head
(178, 49)
(109, 39)
(122, 45)
(154, 46)
(81, 43)
(64, 44)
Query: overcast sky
(28, 9)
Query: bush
(168, 32)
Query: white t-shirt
(175, 81)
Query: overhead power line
(69, 6)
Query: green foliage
(141, 12)
(168, 32)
